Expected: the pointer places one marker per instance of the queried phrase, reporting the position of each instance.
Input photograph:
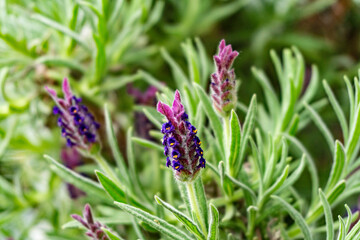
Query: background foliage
(299, 133)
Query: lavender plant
(265, 174)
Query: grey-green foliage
(257, 170)
(270, 149)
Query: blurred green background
(102, 46)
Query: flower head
(95, 231)
(181, 145)
(223, 82)
(77, 124)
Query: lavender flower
(223, 83)
(95, 231)
(181, 145)
(77, 124)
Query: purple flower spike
(181, 145)
(223, 82)
(78, 126)
(94, 227)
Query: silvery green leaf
(157, 223)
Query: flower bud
(223, 82)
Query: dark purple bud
(63, 132)
(166, 150)
(177, 165)
(167, 128)
(70, 143)
(175, 154)
(199, 151)
(197, 141)
(59, 122)
(184, 116)
(168, 162)
(76, 100)
(73, 110)
(83, 129)
(78, 119)
(201, 163)
(56, 110)
(192, 129)
(172, 142)
(90, 137)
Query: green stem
(195, 206)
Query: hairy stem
(195, 207)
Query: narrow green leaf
(112, 140)
(188, 223)
(148, 144)
(337, 166)
(52, 24)
(235, 140)
(192, 61)
(351, 98)
(331, 197)
(178, 74)
(155, 222)
(225, 184)
(213, 118)
(204, 63)
(251, 215)
(76, 179)
(342, 232)
(246, 132)
(152, 118)
(353, 142)
(134, 176)
(214, 223)
(322, 126)
(274, 187)
(336, 106)
(328, 216)
(271, 98)
(311, 164)
(111, 235)
(348, 220)
(115, 192)
(59, 61)
(296, 216)
(100, 58)
(295, 175)
(353, 231)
